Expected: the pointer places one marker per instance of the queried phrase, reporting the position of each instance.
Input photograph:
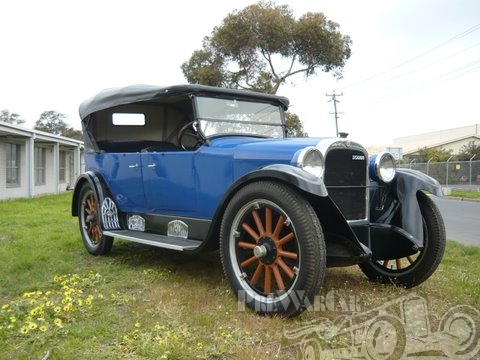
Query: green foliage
(11, 118)
(430, 154)
(261, 46)
(139, 302)
(51, 122)
(54, 123)
(294, 125)
(468, 151)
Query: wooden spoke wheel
(95, 242)
(272, 248)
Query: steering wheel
(187, 130)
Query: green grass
(464, 194)
(141, 302)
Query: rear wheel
(272, 249)
(413, 270)
(88, 216)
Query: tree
(261, 46)
(468, 151)
(431, 154)
(11, 118)
(54, 123)
(294, 125)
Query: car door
(122, 173)
(169, 182)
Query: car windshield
(229, 116)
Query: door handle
(152, 166)
(133, 166)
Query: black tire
(272, 249)
(88, 217)
(413, 270)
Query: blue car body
(167, 175)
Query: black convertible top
(137, 93)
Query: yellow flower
(43, 328)
(32, 326)
(58, 322)
(57, 309)
(138, 324)
(24, 329)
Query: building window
(13, 165)
(39, 161)
(62, 161)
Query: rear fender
(95, 182)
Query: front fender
(343, 246)
(396, 203)
(289, 174)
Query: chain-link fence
(458, 174)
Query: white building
(36, 163)
(451, 139)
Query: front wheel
(272, 249)
(88, 217)
(415, 269)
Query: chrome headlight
(382, 167)
(311, 160)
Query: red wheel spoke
(258, 222)
(399, 264)
(251, 232)
(249, 261)
(286, 239)
(385, 263)
(268, 220)
(288, 254)
(257, 273)
(285, 268)
(410, 259)
(246, 245)
(267, 288)
(278, 278)
(278, 227)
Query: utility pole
(334, 99)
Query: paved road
(462, 219)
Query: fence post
(447, 171)
(470, 175)
(428, 164)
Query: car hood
(263, 149)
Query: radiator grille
(345, 178)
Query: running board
(162, 241)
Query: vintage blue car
(196, 168)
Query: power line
(435, 48)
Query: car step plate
(167, 242)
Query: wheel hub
(266, 251)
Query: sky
(414, 68)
